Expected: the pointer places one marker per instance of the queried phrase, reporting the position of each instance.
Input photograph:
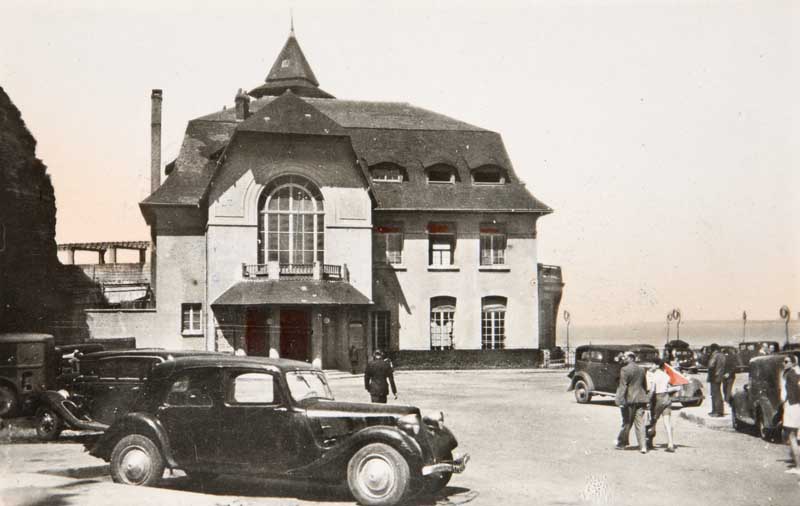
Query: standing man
(632, 397)
(376, 376)
(729, 378)
(716, 373)
(790, 395)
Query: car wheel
(48, 424)
(378, 475)
(762, 430)
(136, 460)
(582, 394)
(735, 423)
(8, 402)
(435, 484)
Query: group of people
(721, 376)
(641, 393)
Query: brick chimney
(242, 105)
(155, 140)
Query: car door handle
(134, 389)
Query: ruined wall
(28, 261)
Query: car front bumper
(458, 465)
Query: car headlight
(64, 394)
(409, 423)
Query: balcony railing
(315, 271)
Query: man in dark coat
(632, 397)
(716, 375)
(729, 377)
(378, 376)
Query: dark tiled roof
(410, 136)
(291, 292)
(290, 114)
(290, 71)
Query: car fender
(134, 423)
(581, 376)
(768, 411)
(69, 412)
(333, 463)
(740, 406)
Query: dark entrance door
(295, 333)
(256, 332)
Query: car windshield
(646, 355)
(308, 385)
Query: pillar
(274, 332)
(142, 256)
(71, 256)
(101, 256)
(112, 255)
(316, 338)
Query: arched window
(388, 172)
(291, 222)
(443, 311)
(441, 173)
(488, 174)
(493, 323)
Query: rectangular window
(441, 244)
(192, 319)
(388, 245)
(493, 246)
(252, 388)
(380, 330)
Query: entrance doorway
(256, 332)
(295, 334)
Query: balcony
(316, 271)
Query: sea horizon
(696, 333)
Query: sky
(664, 134)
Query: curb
(714, 424)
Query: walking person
(378, 376)
(661, 404)
(790, 395)
(632, 397)
(716, 373)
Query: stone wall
(28, 261)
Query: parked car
(682, 353)
(70, 354)
(102, 389)
(756, 405)
(750, 349)
(597, 370)
(275, 418)
(704, 355)
(28, 366)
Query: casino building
(298, 225)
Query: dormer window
(388, 172)
(442, 173)
(488, 174)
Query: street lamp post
(786, 315)
(744, 326)
(566, 319)
(669, 320)
(676, 315)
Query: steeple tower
(290, 71)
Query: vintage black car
(756, 405)
(751, 349)
(29, 365)
(597, 370)
(682, 353)
(275, 418)
(731, 353)
(103, 387)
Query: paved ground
(530, 443)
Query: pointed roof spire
(291, 71)
(291, 22)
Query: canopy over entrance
(290, 292)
